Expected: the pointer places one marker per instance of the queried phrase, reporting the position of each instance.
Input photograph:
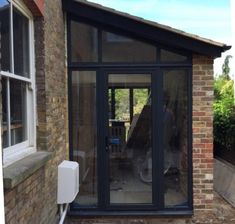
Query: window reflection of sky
(3, 3)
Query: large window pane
(18, 111)
(14, 128)
(175, 137)
(169, 56)
(84, 43)
(84, 134)
(21, 43)
(4, 35)
(117, 48)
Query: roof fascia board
(141, 29)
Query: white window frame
(18, 151)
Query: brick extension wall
(202, 152)
(203, 133)
(34, 200)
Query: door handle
(107, 143)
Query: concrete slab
(20, 170)
(224, 180)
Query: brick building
(129, 99)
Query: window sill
(22, 169)
(160, 214)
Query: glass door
(128, 143)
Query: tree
(226, 68)
(224, 110)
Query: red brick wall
(202, 132)
(35, 6)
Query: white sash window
(17, 81)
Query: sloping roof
(169, 35)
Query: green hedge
(224, 114)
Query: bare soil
(224, 212)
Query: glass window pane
(21, 43)
(84, 134)
(4, 35)
(130, 142)
(18, 111)
(169, 56)
(175, 137)
(117, 48)
(84, 42)
(5, 132)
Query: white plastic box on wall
(68, 182)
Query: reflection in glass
(84, 134)
(84, 42)
(130, 150)
(4, 35)
(175, 137)
(18, 111)
(5, 132)
(169, 56)
(21, 43)
(117, 48)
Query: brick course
(202, 133)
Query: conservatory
(129, 99)
(130, 111)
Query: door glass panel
(84, 42)
(117, 48)
(175, 137)
(129, 142)
(84, 134)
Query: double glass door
(128, 131)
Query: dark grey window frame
(155, 69)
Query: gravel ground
(223, 211)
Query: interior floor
(126, 187)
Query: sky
(206, 18)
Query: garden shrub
(224, 114)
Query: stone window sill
(22, 169)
